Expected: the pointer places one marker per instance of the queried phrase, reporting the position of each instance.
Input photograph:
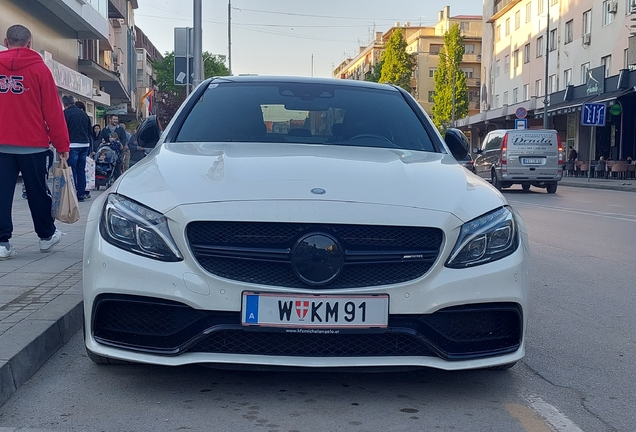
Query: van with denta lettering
(529, 157)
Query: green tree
(171, 96)
(375, 75)
(397, 64)
(450, 81)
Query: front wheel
(551, 188)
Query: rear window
(304, 113)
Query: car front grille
(170, 328)
(261, 252)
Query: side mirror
(457, 143)
(149, 132)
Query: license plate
(532, 161)
(315, 311)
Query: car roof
(303, 80)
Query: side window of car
(486, 141)
(493, 143)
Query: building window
(607, 62)
(553, 2)
(507, 26)
(498, 33)
(540, 7)
(431, 94)
(496, 101)
(505, 98)
(431, 72)
(538, 88)
(497, 68)
(625, 58)
(552, 83)
(528, 12)
(609, 10)
(515, 95)
(517, 19)
(540, 47)
(553, 39)
(507, 63)
(526, 92)
(469, 72)
(469, 49)
(585, 70)
(515, 59)
(526, 53)
(435, 48)
(464, 26)
(587, 22)
(567, 77)
(569, 33)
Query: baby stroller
(105, 161)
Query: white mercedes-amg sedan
(296, 222)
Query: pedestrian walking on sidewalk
(31, 116)
(79, 131)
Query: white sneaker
(7, 253)
(47, 245)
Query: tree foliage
(375, 75)
(171, 96)
(397, 64)
(449, 80)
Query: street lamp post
(197, 63)
(547, 59)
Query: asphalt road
(578, 374)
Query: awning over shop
(576, 105)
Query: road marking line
(556, 419)
(529, 419)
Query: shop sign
(68, 79)
(595, 81)
(121, 109)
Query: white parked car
(304, 223)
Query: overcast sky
(279, 37)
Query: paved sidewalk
(40, 296)
(41, 293)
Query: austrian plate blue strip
(251, 309)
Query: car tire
(503, 366)
(494, 181)
(525, 187)
(551, 188)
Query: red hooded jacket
(31, 113)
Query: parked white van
(530, 157)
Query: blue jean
(77, 162)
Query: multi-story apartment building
(425, 43)
(59, 27)
(88, 45)
(147, 54)
(586, 46)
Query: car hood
(188, 173)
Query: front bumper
(143, 310)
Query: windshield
(304, 113)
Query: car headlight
(485, 239)
(137, 229)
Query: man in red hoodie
(31, 117)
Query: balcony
(81, 17)
(471, 58)
(473, 82)
(501, 7)
(108, 80)
(117, 9)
